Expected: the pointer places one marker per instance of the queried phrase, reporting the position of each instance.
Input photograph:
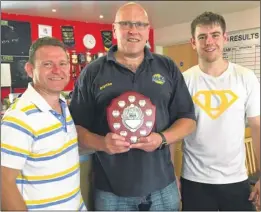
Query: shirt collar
(33, 96)
(114, 48)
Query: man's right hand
(114, 144)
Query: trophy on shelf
(81, 61)
(100, 54)
(88, 57)
(131, 115)
(74, 59)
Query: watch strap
(163, 142)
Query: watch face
(89, 41)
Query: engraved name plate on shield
(131, 115)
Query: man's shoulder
(191, 71)
(163, 58)
(20, 108)
(16, 115)
(246, 75)
(98, 62)
(239, 69)
(165, 64)
(94, 67)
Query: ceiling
(161, 13)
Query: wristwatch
(163, 142)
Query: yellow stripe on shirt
(51, 153)
(81, 202)
(14, 149)
(18, 122)
(49, 177)
(13, 106)
(29, 107)
(69, 118)
(49, 129)
(53, 199)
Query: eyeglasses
(128, 25)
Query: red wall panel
(80, 29)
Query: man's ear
(225, 38)
(28, 67)
(148, 32)
(113, 31)
(193, 43)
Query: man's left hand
(255, 195)
(149, 143)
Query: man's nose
(209, 40)
(133, 28)
(56, 68)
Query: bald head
(131, 29)
(132, 10)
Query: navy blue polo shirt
(134, 173)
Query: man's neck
(51, 99)
(215, 68)
(131, 63)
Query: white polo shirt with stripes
(42, 144)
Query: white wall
(180, 33)
(159, 49)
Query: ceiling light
(101, 16)
(54, 10)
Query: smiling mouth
(56, 78)
(133, 40)
(209, 50)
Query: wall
(80, 29)
(180, 33)
(159, 50)
(183, 55)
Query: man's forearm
(89, 140)
(255, 133)
(11, 199)
(180, 129)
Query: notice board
(243, 48)
(15, 44)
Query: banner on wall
(15, 38)
(44, 31)
(68, 36)
(107, 39)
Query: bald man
(129, 176)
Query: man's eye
(63, 64)
(47, 65)
(124, 23)
(139, 24)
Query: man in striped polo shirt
(39, 150)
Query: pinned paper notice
(5, 75)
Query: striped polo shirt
(43, 145)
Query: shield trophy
(131, 115)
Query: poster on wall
(44, 31)
(19, 77)
(5, 75)
(68, 36)
(243, 48)
(107, 39)
(15, 38)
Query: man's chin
(210, 59)
(57, 89)
(134, 53)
